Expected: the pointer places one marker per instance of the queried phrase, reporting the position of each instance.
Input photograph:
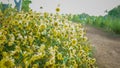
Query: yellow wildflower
(56, 48)
(73, 62)
(10, 43)
(80, 53)
(36, 57)
(92, 61)
(46, 14)
(59, 56)
(5, 54)
(35, 66)
(15, 54)
(85, 38)
(2, 39)
(57, 9)
(17, 48)
(42, 27)
(74, 41)
(44, 39)
(56, 24)
(1, 47)
(42, 47)
(31, 39)
(7, 63)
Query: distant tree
(115, 12)
(25, 5)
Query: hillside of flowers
(42, 40)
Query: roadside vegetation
(109, 22)
(42, 40)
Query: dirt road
(107, 47)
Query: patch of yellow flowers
(42, 40)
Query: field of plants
(109, 22)
(42, 40)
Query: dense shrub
(107, 22)
(37, 40)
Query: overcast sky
(92, 7)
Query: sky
(91, 7)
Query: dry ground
(107, 47)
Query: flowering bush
(42, 40)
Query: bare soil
(107, 47)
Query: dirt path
(107, 47)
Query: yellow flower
(74, 41)
(92, 61)
(26, 62)
(31, 39)
(42, 27)
(7, 63)
(87, 48)
(19, 66)
(35, 66)
(57, 9)
(46, 14)
(25, 53)
(56, 24)
(16, 22)
(59, 56)
(73, 62)
(63, 66)
(42, 47)
(54, 32)
(36, 57)
(1, 47)
(5, 54)
(56, 48)
(66, 25)
(17, 48)
(48, 65)
(85, 38)
(80, 53)
(2, 39)
(1, 31)
(44, 39)
(74, 52)
(15, 54)
(12, 37)
(75, 66)
(10, 43)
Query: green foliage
(115, 26)
(76, 18)
(115, 12)
(107, 22)
(25, 5)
